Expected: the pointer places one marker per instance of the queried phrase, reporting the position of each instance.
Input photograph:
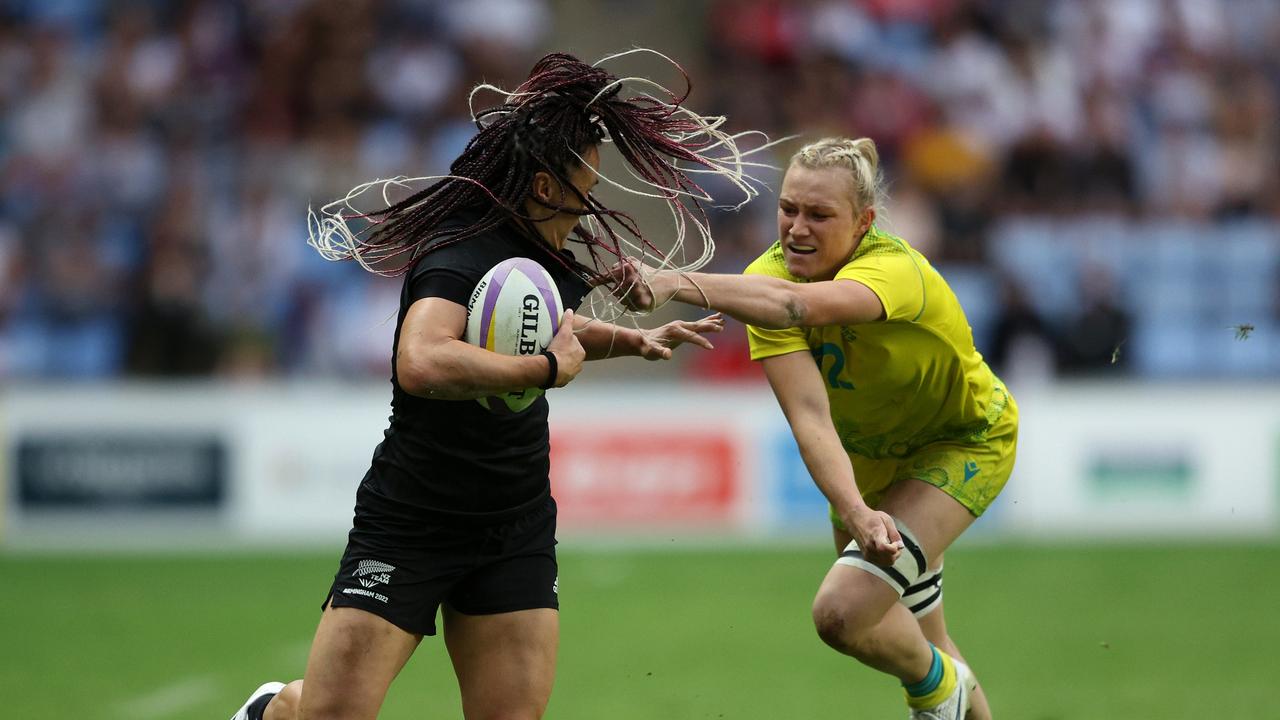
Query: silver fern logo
(371, 573)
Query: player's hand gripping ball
(514, 310)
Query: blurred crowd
(157, 158)
(1160, 115)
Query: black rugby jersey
(454, 458)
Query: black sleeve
(441, 282)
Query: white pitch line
(170, 699)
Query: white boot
(270, 688)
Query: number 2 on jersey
(837, 366)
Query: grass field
(1055, 633)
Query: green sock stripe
(931, 681)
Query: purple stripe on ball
(550, 296)
(500, 273)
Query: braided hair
(545, 125)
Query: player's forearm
(765, 302)
(828, 465)
(455, 370)
(604, 340)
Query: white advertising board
(155, 465)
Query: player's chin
(801, 266)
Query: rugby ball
(514, 310)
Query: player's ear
(543, 187)
(864, 223)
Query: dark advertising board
(119, 471)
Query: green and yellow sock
(937, 684)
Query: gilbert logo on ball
(514, 310)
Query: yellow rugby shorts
(972, 473)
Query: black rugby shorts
(404, 578)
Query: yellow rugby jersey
(899, 384)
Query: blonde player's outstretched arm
(802, 395)
(766, 302)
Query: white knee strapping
(926, 595)
(905, 573)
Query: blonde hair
(858, 156)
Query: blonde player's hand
(568, 351)
(657, 344)
(639, 287)
(627, 283)
(877, 536)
